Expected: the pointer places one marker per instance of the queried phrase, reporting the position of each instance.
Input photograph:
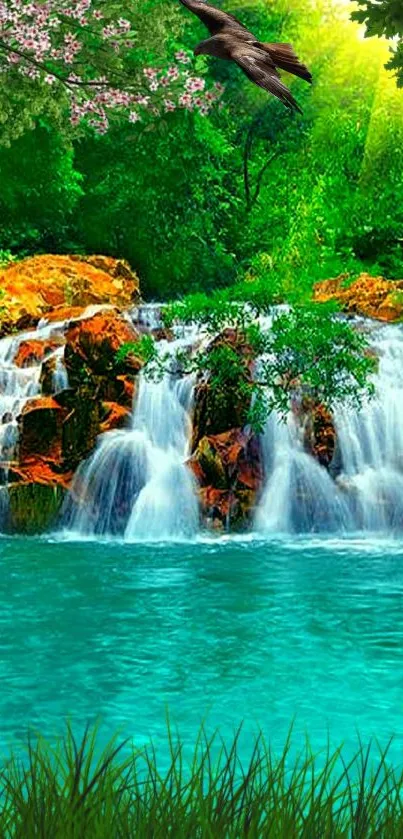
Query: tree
(85, 52)
(384, 18)
(306, 351)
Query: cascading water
(364, 490)
(299, 494)
(18, 384)
(136, 483)
(370, 442)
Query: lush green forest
(196, 202)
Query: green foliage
(306, 350)
(6, 258)
(40, 192)
(250, 192)
(384, 19)
(310, 351)
(73, 789)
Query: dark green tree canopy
(384, 18)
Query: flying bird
(259, 61)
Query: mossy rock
(33, 508)
(211, 465)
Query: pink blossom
(46, 41)
(183, 57)
(186, 100)
(195, 83)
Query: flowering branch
(80, 46)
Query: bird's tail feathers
(284, 57)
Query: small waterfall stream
(364, 489)
(136, 483)
(370, 442)
(299, 494)
(18, 384)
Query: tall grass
(66, 791)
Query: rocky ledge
(373, 297)
(84, 301)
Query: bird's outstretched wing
(284, 57)
(215, 19)
(261, 71)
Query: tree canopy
(196, 201)
(384, 18)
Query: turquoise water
(226, 630)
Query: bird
(232, 41)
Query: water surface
(223, 630)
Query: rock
(40, 428)
(60, 433)
(81, 425)
(114, 416)
(34, 286)
(319, 433)
(217, 411)
(373, 297)
(39, 470)
(228, 468)
(33, 351)
(125, 389)
(92, 346)
(33, 507)
(70, 315)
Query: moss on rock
(33, 508)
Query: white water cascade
(364, 490)
(136, 484)
(299, 494)
(18, 384)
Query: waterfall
(19, 384)
(136, 484)
(370, 442)
(363, 490)
(299, 494)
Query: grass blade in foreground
(69, 790)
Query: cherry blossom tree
(85, 50)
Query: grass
(66, 792)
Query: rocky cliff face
(82, 390)
(85, 300)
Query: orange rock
(218, 410)
(35, 285)
(39, 470)
(319, 433)
(34, 351)
(116, 416)
(92, 345)
(373, 297)
(228, 469)
(125, 389)
(72, 314)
